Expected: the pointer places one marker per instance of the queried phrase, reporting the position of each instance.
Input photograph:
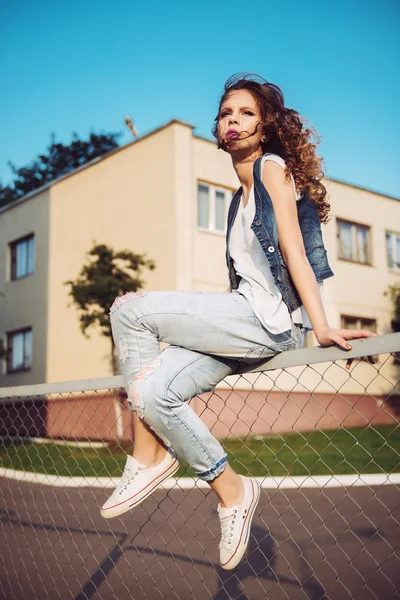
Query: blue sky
(81, 66)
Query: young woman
(276, 261)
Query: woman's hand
(328, 337)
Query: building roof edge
(43, 188)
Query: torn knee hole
(123, 349)
(119, 300)
(135, 395)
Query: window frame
(212, 194)
(394, 235)
(359, 321)
(10, 335)
(354, 248)
(13, 256)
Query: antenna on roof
(130, 125)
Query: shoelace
(125, 480)
(227, 524)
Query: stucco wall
(126, 201)
(359, 289)
(24, 303)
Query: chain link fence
(324, 442)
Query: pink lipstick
(232, 134)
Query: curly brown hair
(286, 135)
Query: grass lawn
(341, 451)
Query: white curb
(188, 483)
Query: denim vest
(265, 228)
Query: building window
(348, 322)
(358, 323)
(396, 328)
(354, 242)
(19, 350)
(393, 250)
(212, 207)
(22, 254)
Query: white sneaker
(136, 483)
(235, 525)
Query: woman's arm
(292, 248)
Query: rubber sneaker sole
(141, 495)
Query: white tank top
(257, 283)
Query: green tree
(105, 275)
(58, 160)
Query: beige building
(165, 194)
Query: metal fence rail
(323, 441)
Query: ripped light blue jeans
(210, 336)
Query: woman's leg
(178, 375)
(174, 377)
(229, 487)
(148, 450)
(220, 324)
(209, 334)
